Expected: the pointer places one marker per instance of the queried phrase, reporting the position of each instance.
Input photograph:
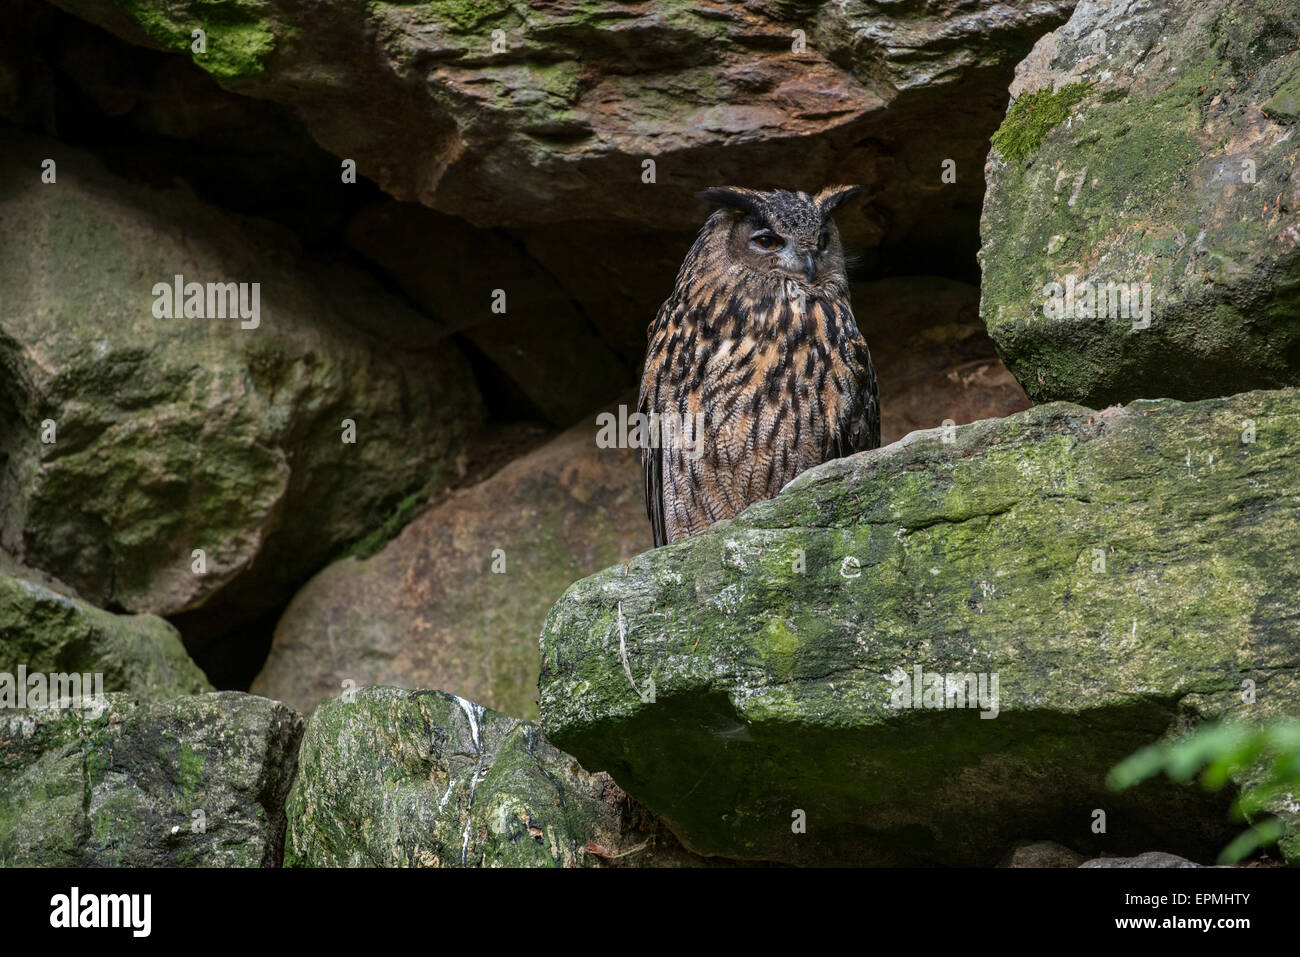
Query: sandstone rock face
(581, 249)
(131, 440)
(195, 781)
(430, 611)
(50, 633)
(395, 778)
(934, 361)
(1117, 572)
(1152, 147)
(514, 114)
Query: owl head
(782, 234)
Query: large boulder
(195, 781)
(1139, 229)
(515, 114)
(457, 599)
(1148, 859)
(395, 778)
(775, 687)
(47, 633)
(131, 439)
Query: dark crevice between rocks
(277, 781)
(502, 398)
(230, 661)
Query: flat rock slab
(195, 781)
(1119, 572)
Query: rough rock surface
(196, 781)
(558, 109)
(579, 293)
(1152, 141)
(50, 633)
(170, 435)
(1119, 571)
(429, 611)
(1042, 854)
(1147, 859)
(395, 778)
(426, 611)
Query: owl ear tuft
(833, 197)
(730, 197)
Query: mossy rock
(1124, 573)
(131, 439)
(1032, 117)
(541, 114)
(47, 632)
(396, 778)
(194, 781)
(1136, 158)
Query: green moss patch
(1032, 117)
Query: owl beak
(809, 267)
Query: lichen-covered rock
(514, 114)
(1141, 224)
(50, 633)
(457, 599)
(131, 439)
(195, 781)
(1118, 572)
(389, 777)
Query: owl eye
(823, 241)
(767, 240)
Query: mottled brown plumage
(757, 336)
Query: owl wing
(652, 473)
(860, 426)
(651, 400)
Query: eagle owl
(755, 369)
